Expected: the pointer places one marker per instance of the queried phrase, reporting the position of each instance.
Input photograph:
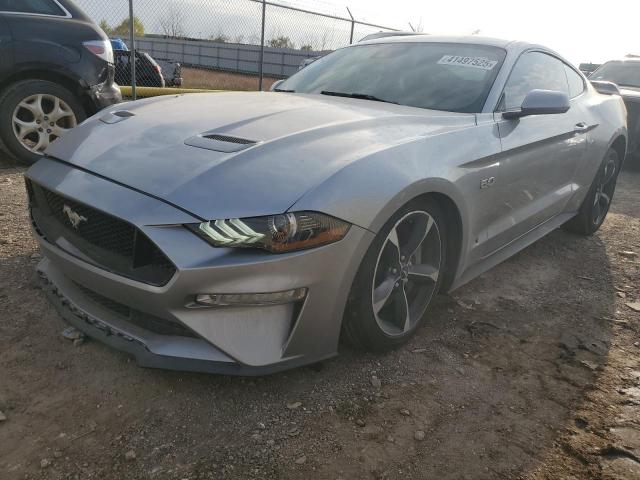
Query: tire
(595, 206)
(31, 101)
(375, 324)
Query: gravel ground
(531, 371)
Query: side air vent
(219, 143)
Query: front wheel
(397, 279)
(596, 204)
(33, 113)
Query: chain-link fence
(218, 44)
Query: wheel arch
(53, 75)
(619, 144)
(454, 229)
(451, 201)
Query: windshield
(439, 76)
(626, 74)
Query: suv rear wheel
(33, 113)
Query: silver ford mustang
(246, 233)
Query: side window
(43, 7)
(576, 84)
(534, 70)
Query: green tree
(281, 42)
(106, 28)
(306, 48)
(122, 30)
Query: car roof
(513, 46)
(397, 33)
(625, 60)
(473, 39)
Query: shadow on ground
(493, 378)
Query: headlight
(276, 233)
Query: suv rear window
(41, 7)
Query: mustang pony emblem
(74, 217)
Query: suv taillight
(100, 48)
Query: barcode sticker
(482, 63)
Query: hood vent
(219, 143)
(117, 116)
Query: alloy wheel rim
(41, 118)
(406, 273)
(604, 190)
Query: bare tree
(220, 38)
(172, 23)
(418, 27)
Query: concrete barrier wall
(232, 57)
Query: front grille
(103, 231)
(30, 194)
(111, 305)
(135, 317)
(633, 124)
(97, 237)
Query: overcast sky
(582, 31)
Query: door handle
(581, 127)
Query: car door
(540, 152)
(6, 47)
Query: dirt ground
(213, 79)
(531, 371)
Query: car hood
(298, 141)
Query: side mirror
(541, 102)
(275, 85)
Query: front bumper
(233, 340)
(148, 351)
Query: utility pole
(353, 25)
(264, 14)
(132, 53)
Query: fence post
(132, 54)
(264, 14)
(353, 24)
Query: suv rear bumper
(107, 93)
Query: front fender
(368, 191)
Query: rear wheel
(397, 279)
(596, 205)
(33, 113)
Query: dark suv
(626, 74)
(56, 68)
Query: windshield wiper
(361, 96)
(283, 90)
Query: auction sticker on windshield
(473, 62)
